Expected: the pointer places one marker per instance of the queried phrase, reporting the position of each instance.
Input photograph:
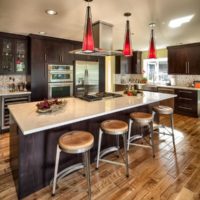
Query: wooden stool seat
(76, 141)
(164, 110)
(142, 118)
(114, 127)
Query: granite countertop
(7, 93)
(30, 121)
(167, 86)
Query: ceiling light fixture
(127, 51)
(152, 49)
(175, 23)
(88, 41)
(51, 12)
(42, 33)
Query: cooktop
(100, 96)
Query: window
(156, 71)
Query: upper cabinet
(13, 54)
(184, 59)
(129, 65)
(57, 52)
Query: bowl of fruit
(50, 105)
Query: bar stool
(74, 142)
(165, 110)
(114, 128)
(141, 119)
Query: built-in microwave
(60, 73)
(59, 90)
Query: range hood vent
(103, 40)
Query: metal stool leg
(129, 133)
(56, 170)
(87, 172)
(99, 147)
(172, 128)
(152, 138)
(126, 154)
(118, 147)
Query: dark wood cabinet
(187, 102)
(47, 50)
(58, 52)
(13, 54)
(129, 65)
(184, 59)
(39, 72)
(53, 51)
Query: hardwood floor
(168, 176)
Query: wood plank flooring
(172, 176)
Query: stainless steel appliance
(86, 77)
(60, 73)
(100, 96)
(57, 90)
(60, 81)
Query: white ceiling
(28, 16)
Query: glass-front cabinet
(13, 56)
(7, 56)
(20, 57)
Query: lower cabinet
(186, 102)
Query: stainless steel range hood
(103, 40)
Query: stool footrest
(140, 145)
(108, 150)
(112, 162)
(135, 137)
(67, 171)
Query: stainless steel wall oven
(60, 81)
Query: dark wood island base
(33, 155)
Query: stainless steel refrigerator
(86, 77)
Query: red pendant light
(127, 51)
(152, 49)
(88, 41)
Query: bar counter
(34, 136)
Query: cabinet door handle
(188, 67)
(45, 57)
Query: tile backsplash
(5, 80)
(185, 80)
(124, 78)
(180, 80)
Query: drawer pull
(186, 108)
(183, 98)
(187, 92)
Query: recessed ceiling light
(42, 33)
(175, 23)
(51, 12)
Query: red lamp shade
(152, 50)
(88, 41)
(127, 51)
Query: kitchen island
(34, 136)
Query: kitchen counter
(29, 121)
(7, 93)
(167, 86)
(34, 137)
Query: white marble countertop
(167, 86)
(29, 121)
(7, 93)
